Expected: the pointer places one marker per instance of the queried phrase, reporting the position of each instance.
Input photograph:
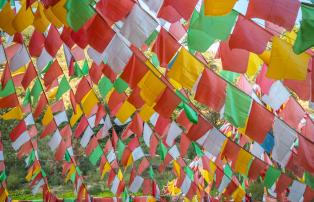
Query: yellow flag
(52, 18)
(177, 168)
(125, 111)
(89, 101)
(151, 87)
(41, 23)
(4, 195)
(130, 161)
(146, 112)
(76, 116)
(255, 62)
(238, 194)
(15, 113)
(70, 173)
(23, 19)
(52, 93)
(218, 7)
(60, 12)
(265, 56)
(6, 18)
(48, 117)
(120, 175)
(106, 169)
(285, 64)
(186, 69)
(243, 161)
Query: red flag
(82, 89)
(280, 12)
(59, 155)
(42, 103)
(301, 88)
(101, 112)
(18, 38)
(260, 122)
(80, 37)
(115, 101)
(72, 100)
(91, 146)
(165, 47)
(81, 127)
(292, 113)
(174, 10)
(36, 44)
(153, 145)
(211, 90)
(107, 71)
(308, 194)
(57, 106)
(235, 60)
(283, 183)
(53, 73)
(29, 75)
(264, 82)
(6, 76)
(167, 103)
(136, 126)
(95, 72)
(18, 130)
(115, 138)
(305, 154)
(143, 166)
(184, 145)
(135, 98)
(199, 129)
(249, 36)
(53, 41)
(308, 130)
(50, 128)
(256, 169)
(184, 121)
(9, 101)
(134, 71)
(114, 11)
(230, 151)
(99, 34)
(162, 126)
(66, 37)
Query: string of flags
(142, 65)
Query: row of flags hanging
(92, 66)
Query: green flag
(229, 76)
(64, 86)
(104, 86)
(85, 68)
(3, 176)
(36, 90)
(189, 172)
(271, 176)
(228, 171)
(162, 151)
(190, 113)
(27, 97)
(151, 38)
(197, 149)
(2, 3)
(8, 89)
(67, 156)
(120, 85)
(309, 180)
(151, 172)
(77, 70)
(204, 30)
(47, 67)
(305, 39)
(78, 13)
(95, 155)
(120, 148)
(237, 107)
(31, 158)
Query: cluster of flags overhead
(127, 64)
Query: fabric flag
(297, 190)
(249, 36)
(259, 123)
(99, 34)
(20, 59)
(214, 142)
(36, 90)
(186, 69)
(134, 71)
(242, 164)
(117, 54)
(204, 30)
(23, 19)
(285, 64)
(167, 103)
(7, 16)
(218, 8)
(104, 86)
(15, 113)
(53, 41)
(283, 183)
(113, 12)
(173, 132)
(19, 136)
(89, 101)
(36, 44)
(95, 155)
(40, 23)
(78, 14)
(138, 26)
(8, 89)
(304, 40)
(172, 10)
(277, 96)
(125, 111)
(52, 74)
(271, 176)
(210, 84)
(199, 129)
(292, 113)
(64, 86)
(136, 184)
(55, 141)
(151, 88)
(256, 169)
(165, 47)
(237, 107)
(29, 75)
(284, 139)
(305, 154)
(235, 60)
(273, 11)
